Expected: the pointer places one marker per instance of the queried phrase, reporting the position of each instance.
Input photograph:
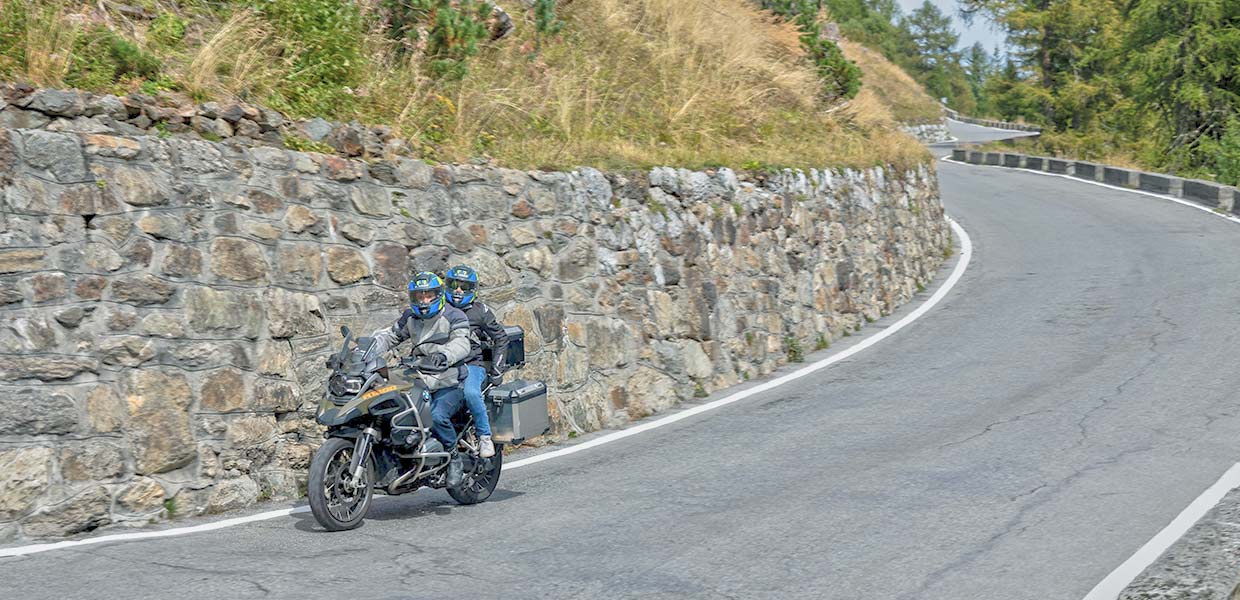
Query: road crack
(1038, 496)
(1104, 402)
(992, 426)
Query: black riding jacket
(486, 328)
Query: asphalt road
(966, 132)
(1070, 396)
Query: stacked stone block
(928, 133)
(168, 303)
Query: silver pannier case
(518, 410)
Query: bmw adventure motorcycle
(379, 439)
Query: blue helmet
(426, 295)
(462, 286)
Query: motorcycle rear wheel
(335, 506)
(477, 488)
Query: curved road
(1070, 396)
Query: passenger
(462, 293)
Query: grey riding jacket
(447, 332)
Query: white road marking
(966, 254)
(1111, 587)
(147, 535)
(1187, 203)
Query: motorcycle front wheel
(478, 487)
(336, 504)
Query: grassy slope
(907, 101)
(627, 83)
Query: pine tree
(545, 21)
(932, 35)
(978, 67)
(1185, 67)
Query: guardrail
(1206, 193)
(951, 114)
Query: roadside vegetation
(892, 86)
(609, 83)
(921, 44)
(1153, 84)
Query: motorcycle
(379, 439)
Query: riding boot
(456, 471)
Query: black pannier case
(514, 352)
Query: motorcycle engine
(413, 439)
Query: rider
(441, 336)
(462, 293)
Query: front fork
(361, 452)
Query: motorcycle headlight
(340, 385)
(353, 385)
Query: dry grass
(628, 83)
(894, 88)
(240, 59)
(643, 82)
(46, 41)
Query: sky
(981, 30)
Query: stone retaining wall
(1213, 195)
(172, 114)
(165, 304)
(928, 133)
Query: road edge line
(1118, 580)
(966, 255)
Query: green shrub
(795, 353)
(841, 78)
(301, 144)
(325, 37)
(1227, 161)
(160, 83)
(822, 343)
(13, 37)
(168, 29)
(545, 22)
(454, 30)
(101, 58)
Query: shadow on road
(423, 503)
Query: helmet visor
(423, 296)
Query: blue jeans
(473, 399)
(444, 404)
